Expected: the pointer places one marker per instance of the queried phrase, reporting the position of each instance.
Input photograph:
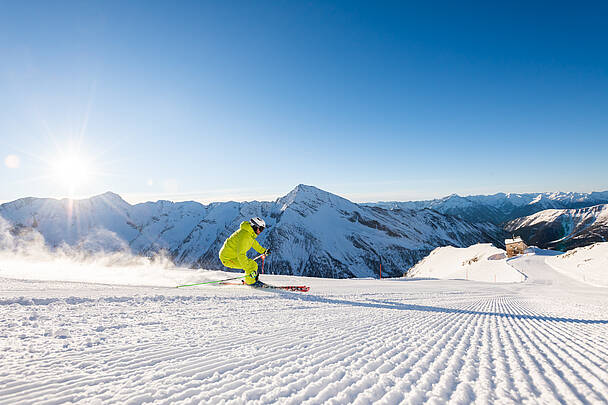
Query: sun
(71, 171)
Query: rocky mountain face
(311, 232)
(500, 208)
(563, 229)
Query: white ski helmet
(257, 223)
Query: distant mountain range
(311, 232)
(563, 229)
(500, 208)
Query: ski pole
(210, 282)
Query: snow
(481, 262)
(391, 341)
(501, 207)
(568, 228)
(315, 232)
(113, 270)
(586, 216)
(588, 264)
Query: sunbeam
(71, 170)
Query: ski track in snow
(347, 341)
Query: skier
(233, 253)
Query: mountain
(501, 207)
(563, 229)
(311, 232)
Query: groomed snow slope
(588, 264)
(346, 341)
(481, 262)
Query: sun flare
(71, 171)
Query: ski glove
(267, 252)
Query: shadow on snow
(427, 308)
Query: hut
(515, 246)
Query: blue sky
(215, 101)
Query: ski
(300, 288)
(259, 284)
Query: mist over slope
(312, 232)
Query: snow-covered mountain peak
(552, 198)
(537, 199)
(456, 201)
(311, 198)
(108, 195)
(108, 198)
(303, 192)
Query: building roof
(515, 240)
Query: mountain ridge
(312, 232)
(500, 208)
(563, 229)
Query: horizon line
(139, 198)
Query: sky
(216, 101)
